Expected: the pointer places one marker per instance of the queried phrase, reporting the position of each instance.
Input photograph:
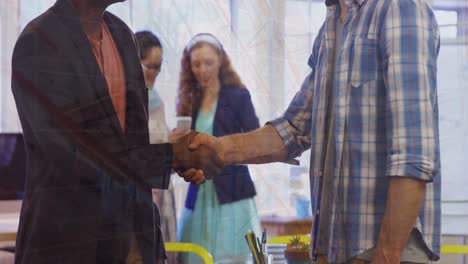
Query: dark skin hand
(194, 176)
(204, 159)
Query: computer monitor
(12, 166)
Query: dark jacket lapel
(88, 63)
(136, 127)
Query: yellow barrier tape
(454, 249)
(191, 248)
(285, 239)
(446, 249)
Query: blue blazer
(235, 114)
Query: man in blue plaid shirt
(368, 112)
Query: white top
(158, 129)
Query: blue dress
(219, 228)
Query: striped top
(386, 119)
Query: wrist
(174, 151)
(223, 147)
(180, 153)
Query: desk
(8, 227)
(282, 226)
(9, 220)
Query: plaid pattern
(386, 118)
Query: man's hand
(202, 158)
(260, 146)
(202, 139)
(405, 196)
(382, 258)
(194, 176)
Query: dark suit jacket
(88, 183)
(235, 114)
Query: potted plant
(297, 251)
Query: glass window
(122, 10)
(447, 22)
(31, 9)
(9, 30)
(302, 22)
(452, 90)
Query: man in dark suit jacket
(90, 168)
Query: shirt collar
(349, 3)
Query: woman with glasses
(151, 59)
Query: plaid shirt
(386, 119)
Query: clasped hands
(195, 158)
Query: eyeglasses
(155, 68)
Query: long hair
(189, 91)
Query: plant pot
(294, 256)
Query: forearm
(262, 145)
(404, 200)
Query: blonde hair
(189, 92)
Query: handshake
(196, 157)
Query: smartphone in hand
(184, 122)
(183, 127)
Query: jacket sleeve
(39, 86)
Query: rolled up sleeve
(409, 44)
(294, 126)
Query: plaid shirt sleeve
(294, 126)
(409, 44)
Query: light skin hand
(405, 196)
(213, 143)
(263, 145)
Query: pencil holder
(260, 255)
